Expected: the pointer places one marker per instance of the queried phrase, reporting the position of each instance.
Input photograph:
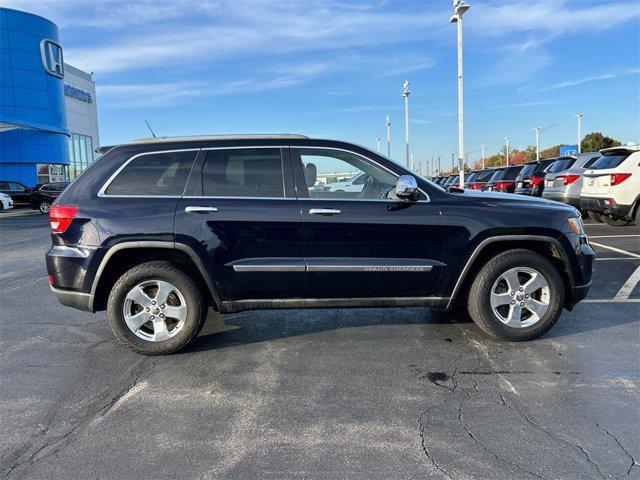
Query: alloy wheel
(155, 310)
(520, 297)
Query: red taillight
(568, 179)
(475, 186)
(51, 280)
(501, 186)
(617, 178)
(536, 180)
(60, 217)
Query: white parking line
(615, 258)
(614, 249)
(611, 300)
(629, 285)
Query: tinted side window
(323, 170)
(511, 173)
(16, 187)
(528, 169)
(250, 172)
(497, 175)
(154, 174)
(560, 165)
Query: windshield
(561, 165)
(610, 161)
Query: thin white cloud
(592, 78)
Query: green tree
(594, 141)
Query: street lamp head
(453, 19)
(388, 119)
(406, 91)
(462, 8)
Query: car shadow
(223, 331)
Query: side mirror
(407, 187)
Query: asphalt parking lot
(382, 393)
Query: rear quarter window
(158, 174)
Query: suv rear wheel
(613, 222)
(155, 309)
(596, 217)
(518, 295)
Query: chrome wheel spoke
(138, 296)
(536, 282)
(537, 309)
(515, 314)
(511, 277)
(134, 322)
(498, 299)
(179, 312)
(160, 331)
(164, 290)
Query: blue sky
(335, 69)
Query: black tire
(594, 216)
(613, 222)
(44, 207)
(150, 271)
(479, 301)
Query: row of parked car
(604, 185)
(40, 197)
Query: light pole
(406, 94)
(506, 139)
(412, 164)
(538, 130)
(378, 144)
(482, 148)
(389, 136)
(459, 8)
(579, 115)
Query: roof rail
(216, 137)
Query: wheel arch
(549, 247)
(126, 255)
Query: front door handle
(200, 209)
(324, 211)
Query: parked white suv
(611, 186)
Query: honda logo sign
(52, 60)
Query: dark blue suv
(157, 231)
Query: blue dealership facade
(35, 139)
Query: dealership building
(48, 115)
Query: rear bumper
(79, 300)
(562, 197)
(598, 205)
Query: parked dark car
(452, 181)
(19, 193)
(480, 180)
(503, 179)
(469, 178)
(530, 180)
(443, 180)
(43, 195)
(158, 231)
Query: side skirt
(268, 304)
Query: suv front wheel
(518, 295)
(155, 309)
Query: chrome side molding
(200, 209)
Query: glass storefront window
(80, 153)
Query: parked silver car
(563, 180)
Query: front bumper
(598, 205)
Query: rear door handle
(324, 211)
(200, 209)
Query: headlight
(576, 225)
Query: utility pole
(412, 164)
(439, 166)
(453, 161)
(506, 139)
(378, 144)
(406, 94)
(459, 8)
(482, 147)
(389, 136)
(579, 115)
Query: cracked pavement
(379, 393)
